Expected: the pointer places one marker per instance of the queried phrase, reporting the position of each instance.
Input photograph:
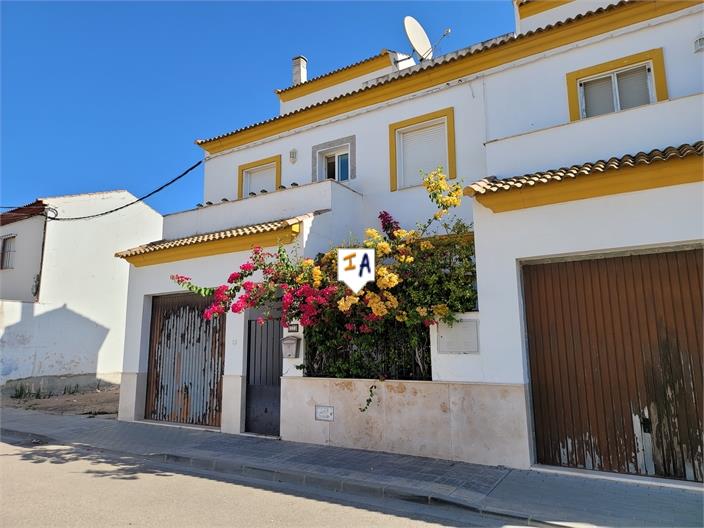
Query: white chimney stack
(300, 70)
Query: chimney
(300, 70)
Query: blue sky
(102, 95)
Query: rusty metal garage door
(186, 360)
(615, 347)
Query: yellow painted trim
(659, 78)
(449, 115)
(276, 160)
(538, 6)
(630, 179)
(508, 52)
(364, 68)
(217, 247)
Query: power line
(104, 213)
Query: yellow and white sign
(355, 267)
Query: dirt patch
(102, 402)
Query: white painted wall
(562, 12)
(333, 91)
(18, 283)
(660, 217)
(533, 95)
(587, 140)
(78, 325)
(371, 130)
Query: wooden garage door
(186, 360)
(615, 348)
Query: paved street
(58, 486)
(347, 485)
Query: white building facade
(62, 293)
(579, 82)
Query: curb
(309, 479)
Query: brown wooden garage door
(186, 360)
(615, 348)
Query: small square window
(7, 261)
(334, 160)
(617, 90)
(260, 179)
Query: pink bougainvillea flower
(247, 266)
(234, 277)
(220, 293)
(260, 321)
(248, 286)
(180, 279)
(365, 329)
(350, 327)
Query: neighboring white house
(597, 80)
(62, 294)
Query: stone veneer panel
(299, 396)
(471, 422)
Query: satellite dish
(418, 38)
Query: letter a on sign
(355, 267)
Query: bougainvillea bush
(423, 275)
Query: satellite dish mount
(419, 38)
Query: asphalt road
(61, 486)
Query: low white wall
(470, 422)
(48, 339)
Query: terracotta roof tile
(383, 53)
(232, 232)
(449, 57)
(493, 184)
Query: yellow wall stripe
(630, 179)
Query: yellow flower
(346, 302)
(385, 278)
(440, 213)
(317, 276)
(301, 278)
(401, 316)
(441, 310)
(422, 311)
(426, 245)
(372, 233)
(308, 262)
(376, 304)
(384, 248)
(405, 258)
(391, 301)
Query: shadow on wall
(53, 341)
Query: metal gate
(264, 368)
(615, 347)
(186, 360)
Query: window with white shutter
(421, 149)
(260, 179)
(616, 90)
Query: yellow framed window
(617, 85)
(259, 177)
(419, 145)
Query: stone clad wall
(471, 422)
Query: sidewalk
(526, 495)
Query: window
(334, 160)
(258, 176)
(337, 166)
(616, 91)
(617, 85)
(420, 145)
(8, 253)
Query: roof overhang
(454, 66)
(269, 234)
(35, 208)
(658, 168)
(372, 64)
